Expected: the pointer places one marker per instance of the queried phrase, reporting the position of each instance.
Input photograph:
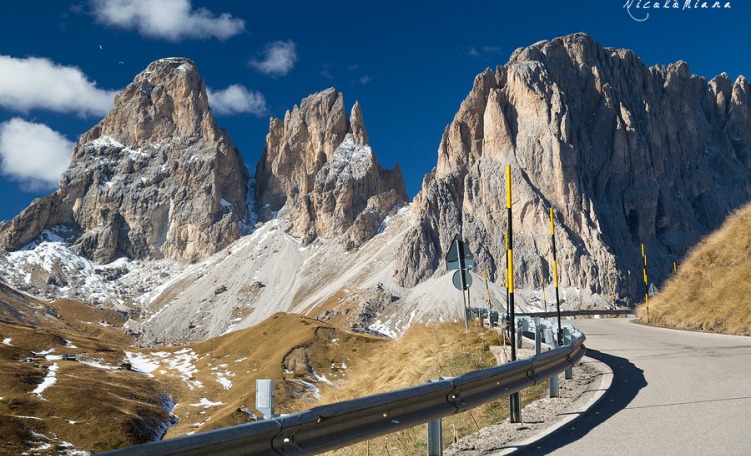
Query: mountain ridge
(619, 161)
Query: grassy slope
(255, 353)
(424, 353)
(72, 409)
(711, 289)
(96, 409)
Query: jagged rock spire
(317, 166)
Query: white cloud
(365, 79)
(483, 51)
(33, 154)
(169, 19)
(280, 58)
(37, 83)
(236, 99)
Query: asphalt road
(673, 393)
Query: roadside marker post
(569, 374)
(435, 433)
(553, 382)
(265, 397)
(646, 282)
(555, 278)
(515, 410)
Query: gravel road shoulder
(590, 381)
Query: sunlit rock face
(155, 178)
(317, 166)
(623, 153)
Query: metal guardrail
(577, 313)
(333, 426)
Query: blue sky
(410, 64)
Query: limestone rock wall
(318, 167)
(623, 153)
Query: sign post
(460, 259)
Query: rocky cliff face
(624, 154)
(317, 165)
(155, 178)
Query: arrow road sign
(453, 256)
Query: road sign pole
(461, 260)
(460, 248)
(487, 289)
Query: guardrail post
(435, 433)
(538, 336)
(549, 336)
(435, 438)
(519, 337)
(569, 374)
(553, 383)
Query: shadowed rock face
(623, 153)
(155, 178)
(317, 166)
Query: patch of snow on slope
(141, 362)
(221, 377)
(322, 378)
(224, 381)
(205, 403)
(48, 381)
(61, 447)
(7, 341)
(180, 361)
(68, 344)
(105, 141)
(384, 328)
(312, 389)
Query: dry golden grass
(97, 410)
(424, 353)
(257, 353)
(93, 409)
(711, 289)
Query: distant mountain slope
(623, 153)
(711, 289)
(53, 405)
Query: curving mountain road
(673, 393)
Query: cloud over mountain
(33, 153)
(169, 19)
(38, 83)
(280, 58)
(236, 99)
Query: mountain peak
(317, 164)
(604, 140)
(358, 125)
(155, 178)
(166, 100)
